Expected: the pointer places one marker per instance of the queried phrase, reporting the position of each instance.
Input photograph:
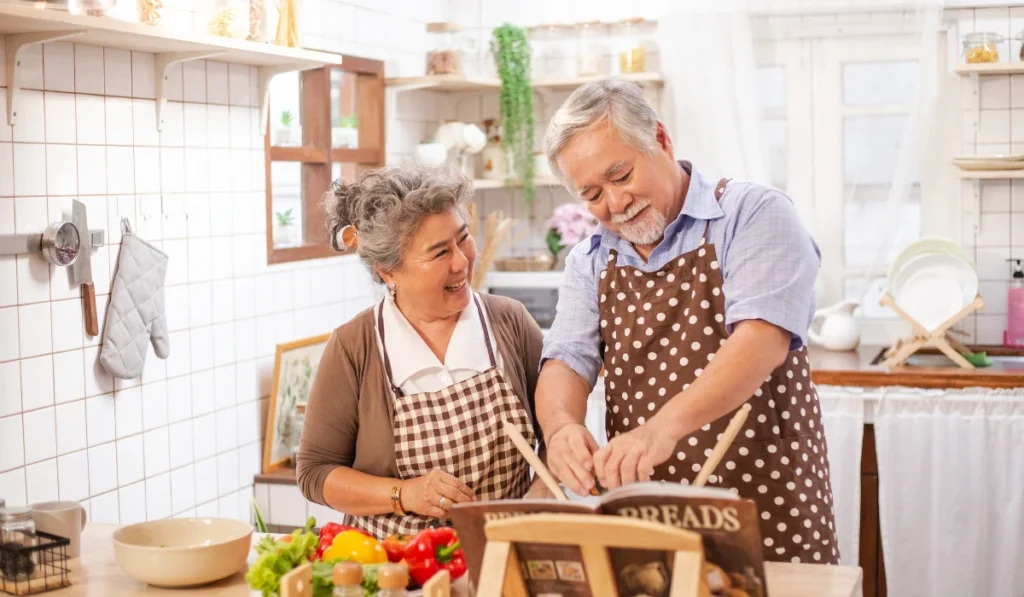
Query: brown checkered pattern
(458, 430)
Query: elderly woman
(405, 416)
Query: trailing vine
(512, 54)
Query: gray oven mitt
(135, 315)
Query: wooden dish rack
(940, 337)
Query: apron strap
(387, 360)
(384, 348)
(719, 191)
(487, 335)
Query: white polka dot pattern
(678, 314)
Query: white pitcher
(839, 329)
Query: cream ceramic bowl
(181, 552)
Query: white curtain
(951, 491)
(842, 414)
(710, 98)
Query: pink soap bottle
(1013, 337)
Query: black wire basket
(29, 570)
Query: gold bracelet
(396, 500)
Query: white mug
(64, 519)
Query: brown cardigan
(350, 409)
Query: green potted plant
(512, 55)
(345, 131)
(284, 131)
(285, 230)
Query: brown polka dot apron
(458, 430)
(659, 330)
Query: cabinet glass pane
(297, 188)
(286, 110)
(866, 222)
(344, 110)
(879, 83)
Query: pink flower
(572, 222)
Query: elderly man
(695, 296)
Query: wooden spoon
(723, 444)
(534, 460)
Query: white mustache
(630, 213)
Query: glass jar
(258, 27)
(17, 529)
(632, 55)
(592, 49)
(92, 8)
(445, 54)
(151, 12)
(982, 47)
(228, 18)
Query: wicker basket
(539, 263)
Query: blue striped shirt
(768, 260)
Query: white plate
(925, 246)
(931, 288)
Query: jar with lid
(151, 12)
(446, 46)
(348, 580)
(592, 49)
(392, 579)
(93, 8)
(17, 530)
(982, 47)
(632, 55)
(228, 18)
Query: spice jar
(982, 47)
(17, 531)
(632, 56)
(151, 12)
(592, 49)
(445, 54)
(258, 29)
(392, 579)
(228, 18)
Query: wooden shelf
(484, 185)
(458, 83)
(25, 25)
(991, 68)
(990, 174)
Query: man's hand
(632, 456)
(570, 457)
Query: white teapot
(839, 330)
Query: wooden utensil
(723, 444)
(534, 460)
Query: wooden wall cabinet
(337, 133)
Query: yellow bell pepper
(356, 547)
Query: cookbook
(728, 526)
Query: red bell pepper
(432, 551)
(327, 534)
(395, 546)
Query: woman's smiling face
(437, 270)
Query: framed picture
(295, 368)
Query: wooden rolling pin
(723, 444)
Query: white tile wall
(185, 438)
(1000, 130)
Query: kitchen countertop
(926, 369)
(96, 574)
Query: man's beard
(646, 230)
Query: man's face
(633, 194)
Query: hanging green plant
(512, 54)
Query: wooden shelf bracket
(14, 44)
(163, 61)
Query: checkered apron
(458, 430)
(659, 330)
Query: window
(324, 124)
(835, 113)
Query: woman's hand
(422, 495)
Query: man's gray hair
(386, 206)
(614, 99)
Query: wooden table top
(96, 574)
(860, 368)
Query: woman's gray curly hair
(386, 205)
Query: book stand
(501, 575)
(903, 349)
